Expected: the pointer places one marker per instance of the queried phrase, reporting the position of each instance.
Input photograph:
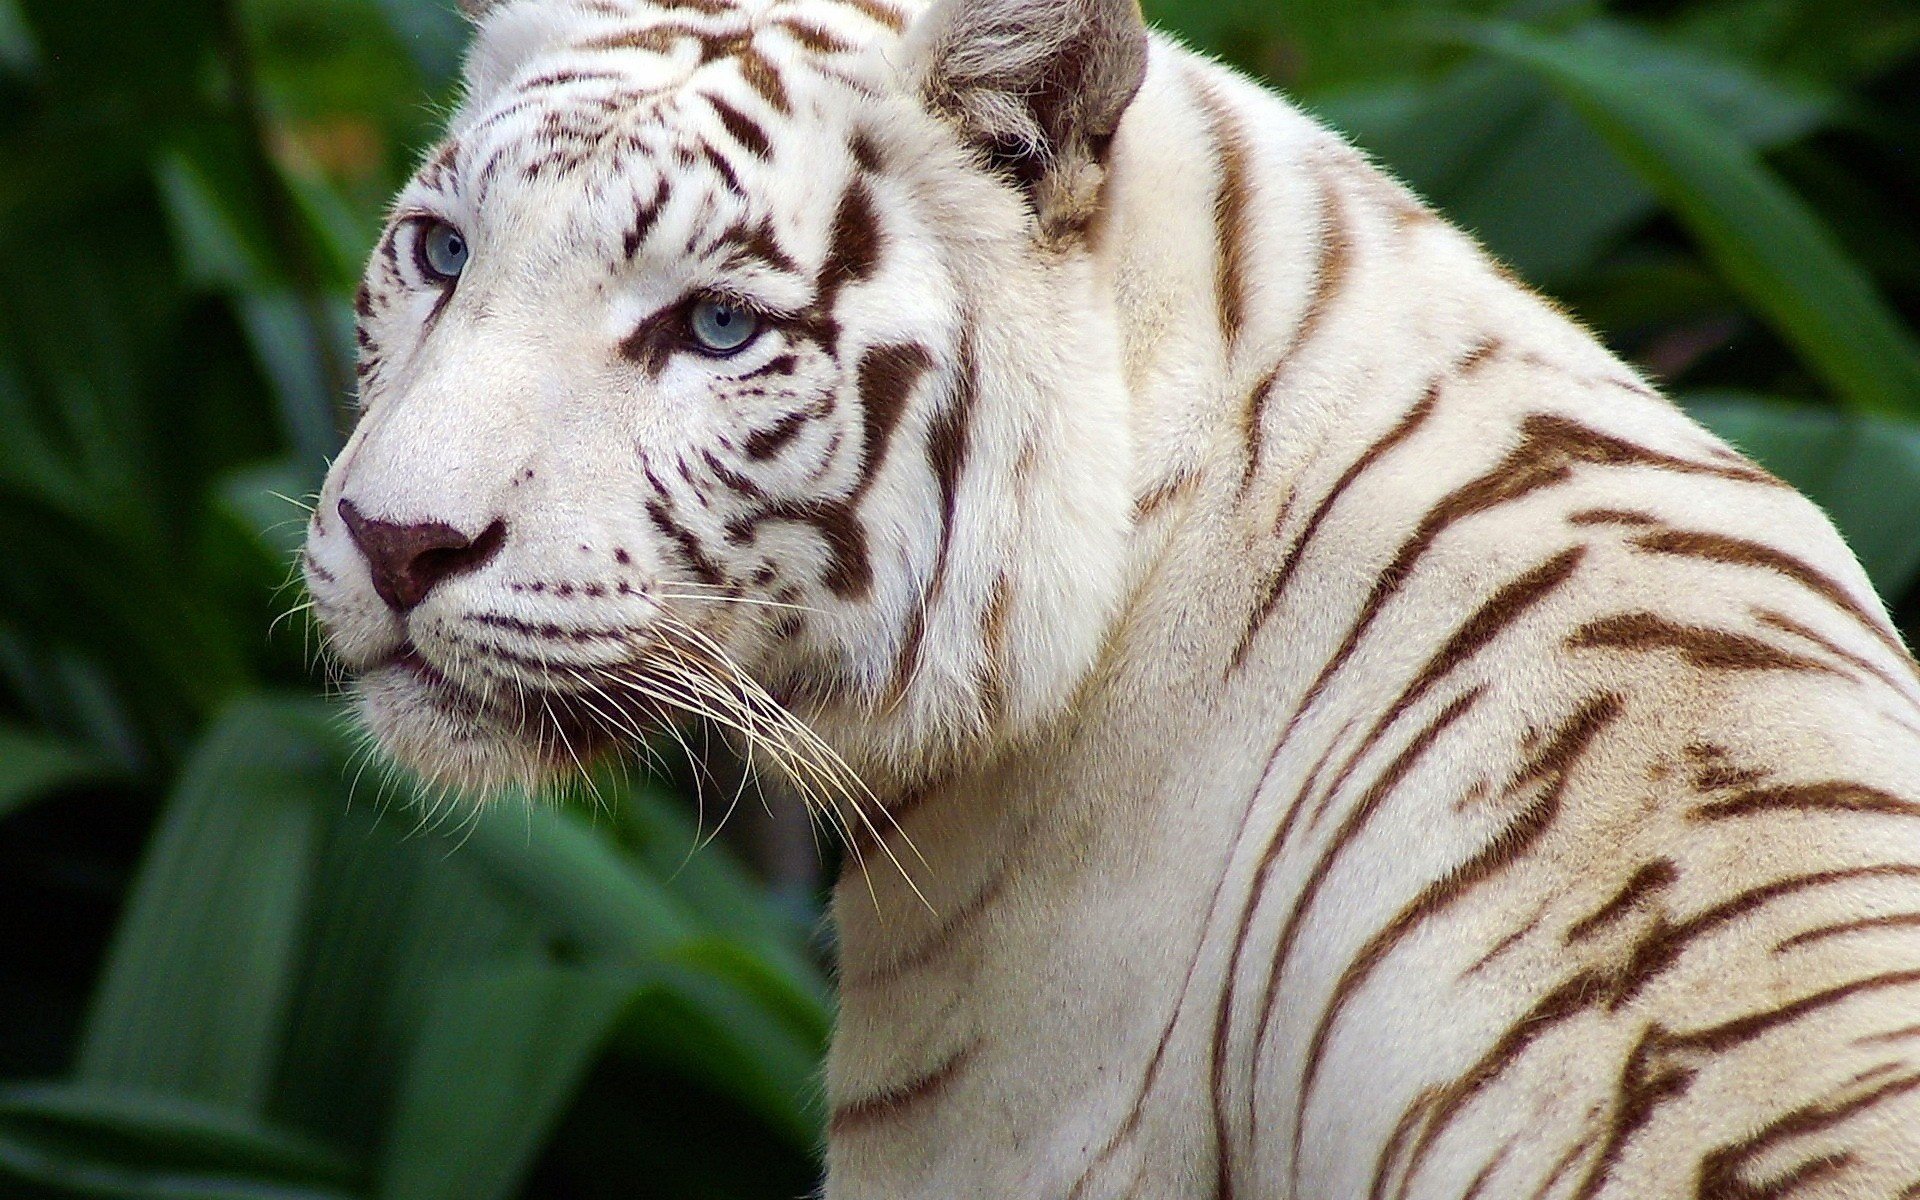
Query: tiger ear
(1038, 86)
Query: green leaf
(551, 863)
(19, 53)
(1768, 243)
(33, 764)
(710, 1020)
(194, 994)
(111, 1141)
(502, 1051)
(1864, 470)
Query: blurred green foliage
(230, 973)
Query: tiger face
(717, 363)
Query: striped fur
(1353, 737)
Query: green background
(228, 971)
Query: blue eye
(443, 251)
(721, 328)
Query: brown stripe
(1834, 796)
(991, 684)
(1550, 447)
(1653, 877)
(887, 376)
(936, 944)
(849, 570)
(1889, 1035)
(1552, 769)
(1905, 920)
(763, 77)
(853, 248)
(563, 78)
(1565, 1163)
(1720, 548)
(1411, 1119)
(1163, 493)
(1276, 584)
(1362, 812)
(658, 39)
(1613, 516)
(741, 127)
(947, 448)
(762, 444)
(1723, 1173)
(814, 38)
(1643, 1087)
(1512, 939)
(1699, 645)
(732, 478)
(646, 213)
(1478, 1183)
(1329, 280)
(1230, 204)
(1223, 1012)
(758, 242)
(895, 1101)
(1488, 622)
(1730, 1034)
(878, 12)
(1786, 624)
(1663, 945)
(689, 544)
(721, 167)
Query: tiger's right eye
(443, 251)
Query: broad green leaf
(550, 862)
(271, 501)
(1864, 470)
(118, 1142)
(708, 1022)
(33, 764)
(195, 990)
(1767, 242)
(295, 341)
(395, 914)
(502, 1050)
(667, 845)
(1552, 196)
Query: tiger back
(1307, 720)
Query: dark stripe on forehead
(853, 254)
(741, 127)
(562, 78)
(646, 213)
(758, 242)
(764, 78)
(878, 12)
(721, 167)
(811, 36)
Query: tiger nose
(410, 559)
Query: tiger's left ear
(1038, 86)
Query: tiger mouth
(567, 728)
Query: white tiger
(1357, 738)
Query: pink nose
(410, 559)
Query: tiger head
(741, 359)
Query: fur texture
(1354, 737)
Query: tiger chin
(1308, 721)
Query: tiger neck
(1125, 757)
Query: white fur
(1089, 800)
